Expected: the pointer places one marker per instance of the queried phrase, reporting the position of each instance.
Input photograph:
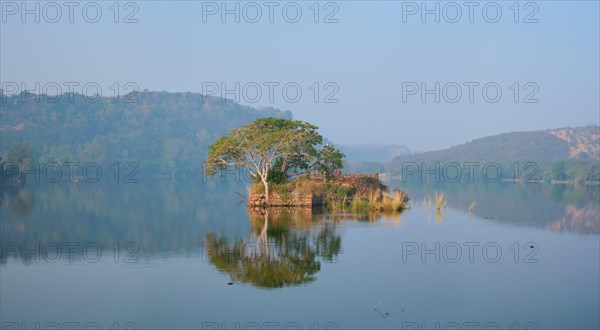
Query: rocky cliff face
(584, 142)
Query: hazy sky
(373, 59)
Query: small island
(340, 192)
(291, 168)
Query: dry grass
(338, 205)
(373, 204)
(394, 202)
(389, 203)
(304, 186)
(373, 200)
(357, 205)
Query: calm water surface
(189, 255)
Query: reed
(472, 206)
(440, 199)
(359, 205)
(398, 200)
(388, 203)
(337, 205)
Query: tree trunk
(266, 184)
(266, 193)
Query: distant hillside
(575, 146)
(584, 142)
(372, 152)
(163, 132)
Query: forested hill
(544, 147)
(573, 146)
(162, 132)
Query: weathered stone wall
(366, 185)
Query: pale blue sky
(368, 54)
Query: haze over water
(185, 254)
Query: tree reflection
(283, 251)
(19, 201)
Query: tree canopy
(267, 144)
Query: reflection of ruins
(286, 249)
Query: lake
(188, 254)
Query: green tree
(594, 172)
(21, 155)
(558, 171)
(259, 145)
(276, 175)
(329, 160)
(576, 171)
(2, 175)
(172, 150)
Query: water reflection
(577, 218)
(171, 221)
(555, 207)
(161, 217)
(286, 248)
(165, 217)
(18, 200)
